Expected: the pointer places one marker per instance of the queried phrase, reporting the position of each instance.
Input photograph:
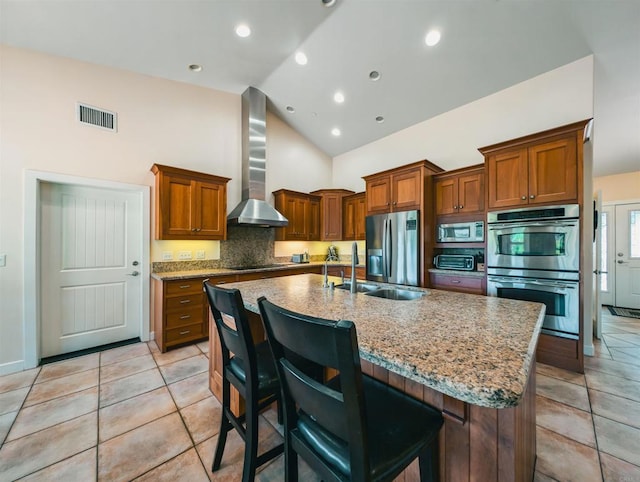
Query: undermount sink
(360, 287)
(396, 294)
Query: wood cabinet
(189, 204)
(544, 168)
(303, 212)
(400, 189)
(474, 285)
(354, 212)
(331, 213)
(460, 192)
(361, 272)
(180, 312)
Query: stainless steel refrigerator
(392, 248)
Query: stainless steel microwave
(470, 232)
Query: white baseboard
(589, 349)
(152, 336)
(11, 367)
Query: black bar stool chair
(251, 370)
(352, 427)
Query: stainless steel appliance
(533, 254)
(561, 297)
(392, 247)
(546, 238)
(460, 262)
(470, 232)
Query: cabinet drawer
(185, 316)
(185, 333)
(457, 283)
(184, 302)
(182, 287)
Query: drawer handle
(185, 301)
(455, 281)
(184, 286)
(185, 332)
(185, 317)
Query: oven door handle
(542, 224)
(528, 281)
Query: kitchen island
(472, 357)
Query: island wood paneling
(476, 443)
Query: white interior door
(90, 250)
(597, 271)
(627, 255)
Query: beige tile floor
(135, 413)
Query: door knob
(135, 263)
(134, 273)
(620, 254)
(620, 261)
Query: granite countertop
(203, 273)
(474, 348)
(453, 272)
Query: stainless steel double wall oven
(533, 254)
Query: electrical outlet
(167, 256)
(200, 254)
(3, 260)
(184, 255)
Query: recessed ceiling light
(301, 58)
(243, 30)
(374, 75)
(195, 68)
(328, 3)
(432, 38)
(379, 119)
(338, 97)
(291, 109)
(335, 131)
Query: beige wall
(558, 97)
(158, 121)
(619, 187)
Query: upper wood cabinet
(543, 168)
(303, 212)
(400, 189)
(460, 191)
(331, 213)
(189, 204)
(354, 211)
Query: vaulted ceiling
(486, 46)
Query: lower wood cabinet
(460, 283)
(180, 312)
(560, 352)
(361, 272)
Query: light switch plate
(3, 260)
(167, 256)
(200, 254)
(184, 255)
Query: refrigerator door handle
(389, 250)
(384, 249)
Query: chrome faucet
(325, 283)
(354, 262)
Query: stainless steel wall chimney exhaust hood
(253, 209)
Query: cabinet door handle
(185, 317)
(185, 332)
(182, 287)
(193, 230)
(395, 202)
(524, 198)
(185, 301)
(455, 281)
(460, 207)
(532, 197)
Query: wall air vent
(97, 117)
